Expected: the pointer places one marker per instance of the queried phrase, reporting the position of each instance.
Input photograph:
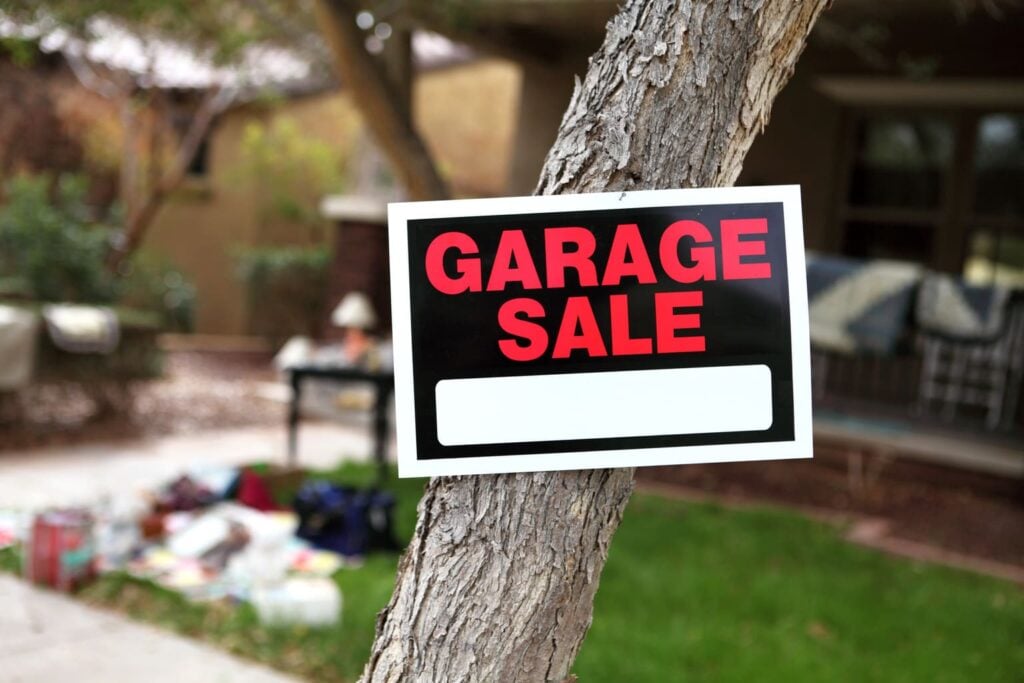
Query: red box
(60, 552)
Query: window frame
(954, 221)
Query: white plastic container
(306, 601)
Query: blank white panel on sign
(491, 410)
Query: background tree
(161, 135)
(383, 97)
(156, 152)
(499, 579)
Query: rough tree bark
(499, 579)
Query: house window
(995, 257)
(999, 166)
(199, 166)
(900, 163)
(995, 250)
(945, 189)
(182, 118)
(896, 185)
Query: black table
(384, 384)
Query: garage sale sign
(602, 330)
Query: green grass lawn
(703, 593)
(691, 592)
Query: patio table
(384, 385)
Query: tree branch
(157, 103)
(215, 102)
(140, 211)
(129, 156)
(90, 80)
(382, 108)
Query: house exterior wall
(930, 62)
(489, 124)
(201, 225)
(545, 95)
(800, 146)
(465, 113)
(467, 116)
(902, 45)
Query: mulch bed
(199, 391)
(969, 513)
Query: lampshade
(355, 310)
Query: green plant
(153, 284)
(53, 247)
(50, 243)
(293, 171)
(287, 288)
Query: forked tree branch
(382, 108)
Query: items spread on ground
(269, 537)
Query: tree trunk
(129, 154)
(385, 112)
(142, 213)
(499, 579)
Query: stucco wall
(199, 227)
(466, 114)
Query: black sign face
(605, 330)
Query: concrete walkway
(45, 636)
(84, 474)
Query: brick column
(360, 258)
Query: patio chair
(983, 370)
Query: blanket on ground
(859, 305)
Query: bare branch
(382, 108)
(215, 102)
(129, 156)
(154, 170)
(91, 80)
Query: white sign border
(399, 215)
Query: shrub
(287, 289)
(153, 284)
(53, 247)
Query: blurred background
(193, 263)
